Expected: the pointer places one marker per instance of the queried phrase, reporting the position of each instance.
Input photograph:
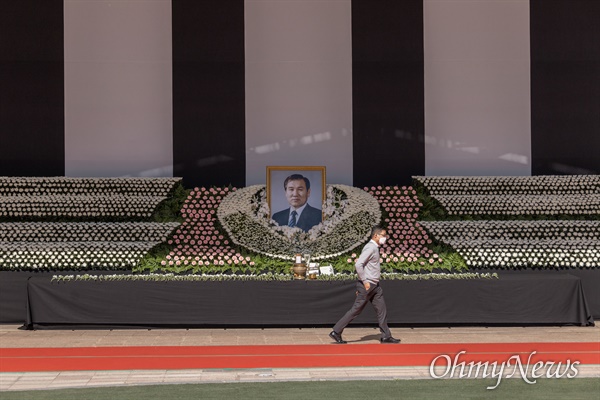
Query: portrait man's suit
(310, 217)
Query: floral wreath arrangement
(349, 214)
(229, 230)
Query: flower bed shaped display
(520, 204)
(516, 196)
(203, 242)
(522, 244)
(82, 198)
(86, 231)
(80, 245)
(35, 186)
(519, 243)
(84, 206)
(229, 230)
(72, 255)
(513, 185)
(513, 230)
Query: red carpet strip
(286, 356)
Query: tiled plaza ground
(12, 337)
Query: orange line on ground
(286, 356)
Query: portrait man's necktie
(293, 219)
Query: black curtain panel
(387, 91)
(32, 88)
(208, 92)
(521, 298)
(565, 86)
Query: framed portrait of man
(296, 195)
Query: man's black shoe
(337, 337)
(389, 340)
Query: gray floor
(11, 337)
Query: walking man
(367, 289)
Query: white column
(298, 86)
(477, 87)
(118, 90)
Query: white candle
(298, 259)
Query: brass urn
(299, 268)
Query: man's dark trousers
(375, 296)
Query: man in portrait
(300, 214)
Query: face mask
(382, 240)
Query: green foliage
(431, 210)
(169, 210)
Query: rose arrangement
(198, 244)
(409, 246)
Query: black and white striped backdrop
(375, 90)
